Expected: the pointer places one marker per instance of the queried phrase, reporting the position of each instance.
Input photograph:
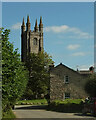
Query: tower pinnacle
(23, 23)
(36, 23)
(28, 21)
(36, 26)
(23, 26)
(28, 24)
(41, 25)
(41, 20)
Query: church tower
(31, 41)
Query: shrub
(68, 105)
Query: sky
(68, 29)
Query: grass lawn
(66, 101)
(68, 105)
(32, 102)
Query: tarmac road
(30, 111)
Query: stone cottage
(67, 83)
(64, 82)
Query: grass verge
(67, 106)
(32, 102)
(9, 115)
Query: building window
(67, 95)
(66, 79)
(35, 41)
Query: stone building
(31, 41)
(67, 83)
(64, 82)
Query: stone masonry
(31, 41)
(64, 82)
(73, 88)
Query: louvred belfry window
(35, 41)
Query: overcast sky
(68, 29)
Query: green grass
(8, 114)
(66, 101)
(68, 105)
(32, 102)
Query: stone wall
(58, 87)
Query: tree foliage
(90, 86)
(14, 73)
(38, 84)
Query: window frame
(35, 41)
(66, 95)
(66, 79)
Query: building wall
(58, 87)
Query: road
(27, 111)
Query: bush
(90, 86)
(68, 105)
(9, 114)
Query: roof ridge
(68, 68)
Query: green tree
(38, 84)
(14, 73)
(90, 86)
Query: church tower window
(35, 41)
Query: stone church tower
(31, 41)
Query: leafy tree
(90, 86)
(14, 73)
(38, 84)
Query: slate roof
(81, 72)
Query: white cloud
(16, 26)
(73, 47)
(67, 29)
(79, 54)
(56, 29)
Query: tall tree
(14, 73)
(90, 86)
(37, 65)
